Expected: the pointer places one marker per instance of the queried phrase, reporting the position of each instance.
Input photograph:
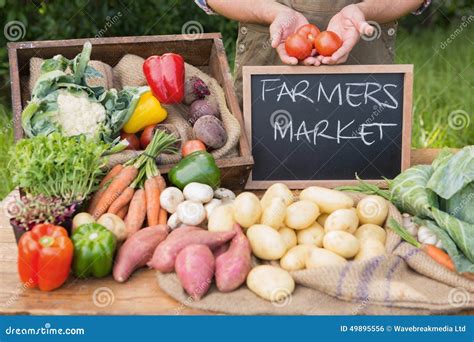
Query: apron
(254, 48)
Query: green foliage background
(444, 78)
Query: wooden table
(140, 295)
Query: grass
(6, 140)
(443, 101)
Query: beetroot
(200, 108)
(194, 89)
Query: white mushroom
(198, 192)
(174, 222)
(191, 213)
(224, 194)
(213, 204)
(170, 198)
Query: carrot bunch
(132, 190)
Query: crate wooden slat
(206, 52)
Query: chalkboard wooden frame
(406, 69)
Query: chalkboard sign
(324, 125)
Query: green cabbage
(443, 195)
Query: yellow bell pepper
(147, 112)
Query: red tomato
(327, 42)
(132, 139)
(147, 135)
(309, 31)
(191, 146)
(298, 46)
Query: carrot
(440, 256)
(121, 201)
(115, 189)
(437, 254)
(163, 217)
(152, 192)
(161, 182)
(102, 186)
(136, 212)
(123, 212)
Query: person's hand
(349, 24)
(286, 23)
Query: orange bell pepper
(44, 257)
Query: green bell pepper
(94, 248)
(199, 167)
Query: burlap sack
(103, 68)
(405, 281)
(128, 72)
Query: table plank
(141, 295)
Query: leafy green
(56, 166)
(409, 193)
(452, 174)
(462, 233)
(60, 75)
(462, 263)
(461, 204)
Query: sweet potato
(195, 267)
(165, 254)
(233, 266)
(220, 250)
(138, 250)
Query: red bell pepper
(165, 76)
(44, 257)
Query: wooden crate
(205, 52)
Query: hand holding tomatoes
(349, 24)
(300, 44)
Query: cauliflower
(78, 115)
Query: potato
(289, 237)
(372, 209)
(322, 219)
(313, 235)
(328, 200)
(274, 214)
(371, 231)
(342, 243)
(221, 219)
(80, 219)
(271, 283)
(277, 190)
(211, 131)
(301, 214)
(247, 209)
(342, 219)
(266, 242)
(369, 249)
(320, 257)
(295, 258)
(210, 206)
